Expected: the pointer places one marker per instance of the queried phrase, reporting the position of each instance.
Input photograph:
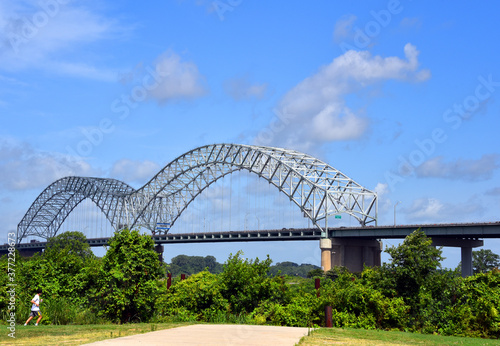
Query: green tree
(415, 274)
(316, 272)
(484, 260)
(357, 303)
(183, 264)
(335, 272)
(57, 271)
(66, 255)
(476, 310)
(413, 262)
(292, 269)
(196, 298)
(245, 283)
(72, 243)
(127, 285)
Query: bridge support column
(352, 253)
(466, 261)
(466, 245)
(325, 245)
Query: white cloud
(381, 189)
(429, 210)
(425, 209)
(343, 28)
(315, 108)
(178, 79)
(384, 203)
(22, 167)
(134, 171)
(49, 34)
(241, 88)
(341, 122)
(470, 170)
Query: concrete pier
(355, 253)
(352, 253)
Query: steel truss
(319, 190)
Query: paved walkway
(214, 334)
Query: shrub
(127, 280)
(359, 305)
(244, 284)
(481, 293)
(302, 311)
(198, 297)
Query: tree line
(483, 260)
(409, 293)
(183, 264)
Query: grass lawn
(82, 334)
(77, 334)
(348, 336)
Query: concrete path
(214, 334)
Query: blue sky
(401, 96)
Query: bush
(198, 297)
(127, 280)
(244, 284)
(481, 295)
(59, 311)
(410, 293)
(357, 304)
(302, 311)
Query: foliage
(72, 243)
(198, 297)
(484, 260)
(301, 311)
(318, 272)
(431, 308)
(412, 263)
(476, 310)
(57, 273)
(409, 293)
(357, 304)
(189, 265)
(183, 264)
(292, 269)
(244, 283)
(61, 311)
(127, 281)
(335, 272)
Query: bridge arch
(318, 189)
(49, 210)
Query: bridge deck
(456, 230)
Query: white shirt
(34, 307)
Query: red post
(183, 276)
(169, 280)
(328, 317)
(317, 285)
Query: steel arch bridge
(319, 190)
